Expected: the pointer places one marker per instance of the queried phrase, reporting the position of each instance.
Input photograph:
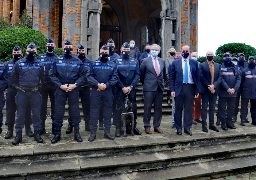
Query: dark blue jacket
(102, 72)
(28, 73)
(241, 66)
(143, 56)
(176, 75)
(87, 64)
(248, 83)
(128, 72)
(135, 53)
(9, 65)
(67, 70)
(47, 59)
(205, 76)
(113, 56)
(231, 78)
(3, 73)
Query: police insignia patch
(97, 64)
(248, 72)
(42, 59)
(22, 64)
(60, 61)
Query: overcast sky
(225, 21)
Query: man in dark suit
(145, 54)
(184, 80)
(210, 79)
(152, 77)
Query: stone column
(1, 8)
(193, 23)
(166, 34)
(6, 9)
(185, 22)
(16, 11)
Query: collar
(209, 62)
(49, 54)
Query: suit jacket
(205, 76)
(176, 75)
(149, 78)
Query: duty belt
(27, 89)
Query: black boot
(9, 133)
(69, 129)
(101, 124)
(231, 125)
(247, 120)
(86, 126)
(108, 135)
(28, 131)
(136, 131)
(92, 136)
(253, 122)
(57, 136)
(118, 132)
(224, 126)
(18, 138)
(242, 122)
(43, 128)
(37, 136)
(77, 136)
(218, 121)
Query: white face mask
(194, 58)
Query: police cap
(50, 40)
(251, 57)
(126, 45)
(234, 58)
(67, 42)
(80, 46)
(104, 47)
(240, 54)
(16, 48)
(111, 40)
(31, 46)
(227, 54)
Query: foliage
(58, 51)
(22, 37)
(216, 59)
(235, 48)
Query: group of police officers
(102, 85)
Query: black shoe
(29, 131)
(57, 136)
(188, 132)
(242, 122)
(224, 126)
(18, 138)
(77, 136)
(234, 119)
(204, 129)
(9, 133)
(247, 120)
(194, 122)
(198, 120)
(69, 129)
(212, 127)
(108, 135)
(136, 131)
(92, 137)
(101, 124)
(179, 131)
(231, 125)
(86, 126)
(118, 132)
(218, 121)
(37, 137)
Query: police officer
(248, 89)
(102, 76)
(134, 52)
(48, 88)
(241, 65)
(129, 75)
(28, 73)
(231, 79)
(67, 73)
(84, 91)
(3, 86)
(10, 98)
(112, 54)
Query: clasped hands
(126, 90)
(231, 91)
(101, 87)
(211, 88)
(68, 87)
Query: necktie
(186, 72)
(156, 67)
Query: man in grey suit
(153, 73)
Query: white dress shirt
(190, 79)
(153, 60)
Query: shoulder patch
(248, 72)
(60, 61)
(224, 69)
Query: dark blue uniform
(248, 92)
(48, 88)
(129, 75)
(3, 85)
(27, 76)
(113, 56)
(10, 98)
(231, 78)
(102, 72)
(67, 70)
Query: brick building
(170, 23)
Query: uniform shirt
(190, 79)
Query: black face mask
(50, 48)
(251, 64)
(147, 50)
(172, 53)
(68, 51)
(210, 58)
(104, 57)
(16, 57)
(31, 54)
(81, 55)
(126, 54)
(111, 48)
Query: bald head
(185, 48)
(209, 53)
(194, 55)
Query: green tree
(235, 48)
(22, 37)
(216, 59)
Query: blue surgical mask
(132, 45)
(251, 64)
(227, 60)
(234, 62)
(241, 59)
(194, 58)
(185, 54)
(154, 53)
